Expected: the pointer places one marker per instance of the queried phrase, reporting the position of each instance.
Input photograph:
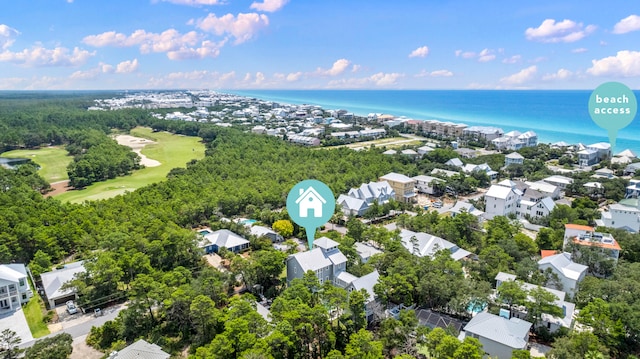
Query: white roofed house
(261, 231)
(358, 200)
(569, 273)
(501, 201)
(140, 350)
(560, 181)
(461, 206)
(485, 132)
(552, 323)
(499, 336)
(425, 184)
(423, 244)
(513, 158)
(14, 287)
(519, 199)
(54, 281)
(365, 251)
(352, 206)
(455, 162)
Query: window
(24, 296)
(22, 282)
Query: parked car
(97, 312)
(437, 204)
(71, 307)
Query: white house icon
(310, 200)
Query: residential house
(444, 173)
(552, 323)
(304, 140)
(403, 186)
(546, 188)
(513, 158)
(569, 273)
(514, 140)
(409, 153)
(560, 181)
(223, 238)
(424, 184)
(633, 189)
(455, 162)
(624, 215)
(604, 173)
(471, 168)
(352, 206)
(594, 153)
(587, 236)
(365, 251)
(423, 244)
(366, 282)
(260, 231)
(53, 282)
(325, 259)
(499, 336)
(140, 350)
(14, 287)
(467, 207)
(483, 132)
(467, 152)
(632, 169)
(390, 152)
(517, 198)
(423, 150)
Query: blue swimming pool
(248, 222)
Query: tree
(9, 341)
(41, 263)
(57, 347)
(203, 314)
(284, 227)
(362, 346)
(521, 354)
(541, 302)
(511, 292)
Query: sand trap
(136, 144)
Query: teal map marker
(311, 204)
(613, 106)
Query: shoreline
(546, 135)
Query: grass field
(171, 151)
(383, 142)
(34, 312)
(53, 161)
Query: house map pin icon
(311, 204)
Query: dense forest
(141, 246)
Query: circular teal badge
(311, 204)
(612, 106)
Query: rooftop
(510, 332)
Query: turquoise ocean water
(553, 115)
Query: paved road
(84, 327)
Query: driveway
(16, 321)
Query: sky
(318, 44)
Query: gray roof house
(213, 241)
(499, 336)
(140, 350)
(14, 287)
(260, 231)
(54, 280)
(352, 206)
(325, 259)
(569, 272)
(428, 244)
(365, 251)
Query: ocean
(555, 115)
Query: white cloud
(177, 46)
(126, 67)
(551, 31)
(7, 36)
(436, 73)
(628, 24)
(259, 78)
(485, 55)
(379, 79)
(339, 66)
(41, 56)
(512, 60)
(243, 27)
(562, 74)
(294, 76)
(420, 52)
(195, 2)
(269, 5)
(356, 68)
(193, 79)
(441, 73)
(625, 64)
(579, 50)
(520, 77)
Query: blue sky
(318, 44)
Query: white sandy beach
(137, 144)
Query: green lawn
(34, 311)
(53, 161)
(170, 150)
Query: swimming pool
(248, 222)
